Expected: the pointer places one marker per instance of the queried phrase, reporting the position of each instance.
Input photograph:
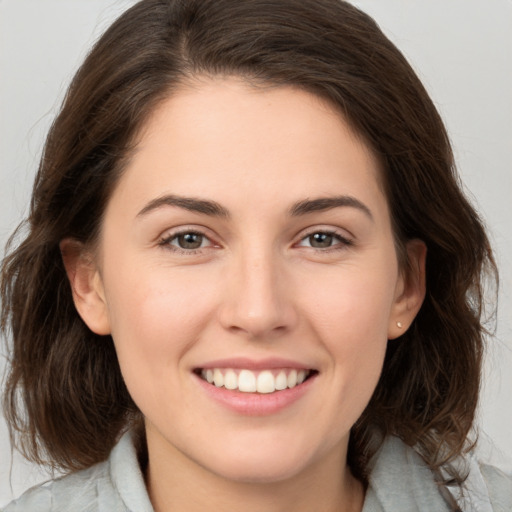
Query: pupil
(320, 240)
(190, 241)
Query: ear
(86, 285)
(410, 291)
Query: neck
(177, 483)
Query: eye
(186, 241)
(324, 240)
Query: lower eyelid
(340, 238)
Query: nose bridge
(258, 300)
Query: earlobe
(411, 291)
(86, 286)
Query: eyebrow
(192, 204)
(214, 209)
(327, 203)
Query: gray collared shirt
(399, 482)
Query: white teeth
(281, 381)
(230, 380)
(292, 379)
(248, 381)
(218, 378)
(265, 382)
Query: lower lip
(256, 404)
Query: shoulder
(78, 492)
(401, 481)
(116, 485)
(499, 486)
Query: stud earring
(399, 325)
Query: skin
(256, 288)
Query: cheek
(155, 315)
(355, 305)
(154, 322)
(352, 317)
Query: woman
(250, 279)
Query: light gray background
(462, 50)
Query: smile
(248, 381)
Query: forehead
(238, 110)
(216, 135)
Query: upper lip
(254, 364)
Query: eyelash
(343, 241)
(165, 242)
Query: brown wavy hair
(65, 399)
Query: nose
(258, 301)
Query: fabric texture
(399, 482)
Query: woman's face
(249, 242)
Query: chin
(257, 472)
(258, 464)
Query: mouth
(265, 381)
